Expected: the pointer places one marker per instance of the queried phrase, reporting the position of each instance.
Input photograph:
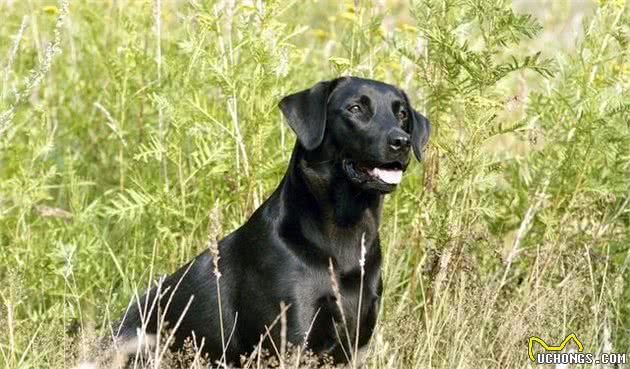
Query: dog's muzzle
(388, 174)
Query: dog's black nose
(398, 140)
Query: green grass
(120, 131)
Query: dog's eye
(402, 115)
(354, 109)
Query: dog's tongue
(387, 176)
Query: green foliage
(117, 140)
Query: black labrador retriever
(354, 138)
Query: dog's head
(366, 128)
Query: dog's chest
(342, 243)
(351, 247)
(319, 292)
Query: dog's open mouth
(388, 173)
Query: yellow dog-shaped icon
(533, 339)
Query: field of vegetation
(123, 124)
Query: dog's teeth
(387, 176)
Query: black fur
(324, 205)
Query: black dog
(354, 138)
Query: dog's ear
(420, 129)
(306, 113)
